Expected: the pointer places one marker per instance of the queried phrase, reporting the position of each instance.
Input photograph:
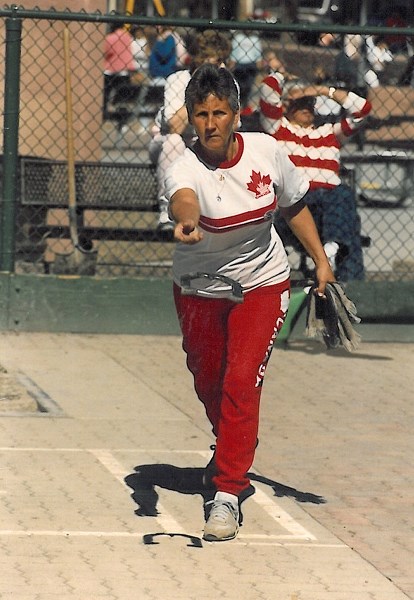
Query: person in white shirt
(222, 195)
(140, 47)
(171, 132)
(369, 56)
(378, 55)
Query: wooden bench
(132, 101)
(110, 187)
(391, 123)
(382, 179)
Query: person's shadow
(189, 480)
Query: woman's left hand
(324, 275)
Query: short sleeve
(180, 175)
(292, 184)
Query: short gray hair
(211, 79)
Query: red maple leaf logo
(259, 185)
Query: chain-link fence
(107, 86)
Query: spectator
(140, 51)
(118, 65)
(316, 151)
(378, 55)
(183, 56)
(361, 61)
(246, 61)
(350, 65)
(396, 18)
(172, 133)
(168, 54)
(222, 193)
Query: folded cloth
(332, 318)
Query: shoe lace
(220, 510)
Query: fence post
(11, 140)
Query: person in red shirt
(118, 64)
(395, 42)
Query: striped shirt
(316, 150)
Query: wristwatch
(331, 92)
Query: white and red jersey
(316, 150)
(237, 201)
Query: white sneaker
(223, 520)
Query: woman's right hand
(187, 232)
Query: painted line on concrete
(242, 540)
(283, 518)
(45, 403)
(64, 533)
(107, 459)
(124, 450)
(276, 513)
(35, 449)
(165, 519)
(239, 541)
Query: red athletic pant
(228, 346)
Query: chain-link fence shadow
(119, 84)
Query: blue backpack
(163, 58)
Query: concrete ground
(332, 516)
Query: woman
(222, 197)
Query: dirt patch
(13, 396)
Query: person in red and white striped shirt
(287, 112)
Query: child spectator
(168, 54)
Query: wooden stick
(70, 141)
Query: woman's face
(215, 123)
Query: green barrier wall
(87, 305)
(145, 306)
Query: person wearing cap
(287, 112)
